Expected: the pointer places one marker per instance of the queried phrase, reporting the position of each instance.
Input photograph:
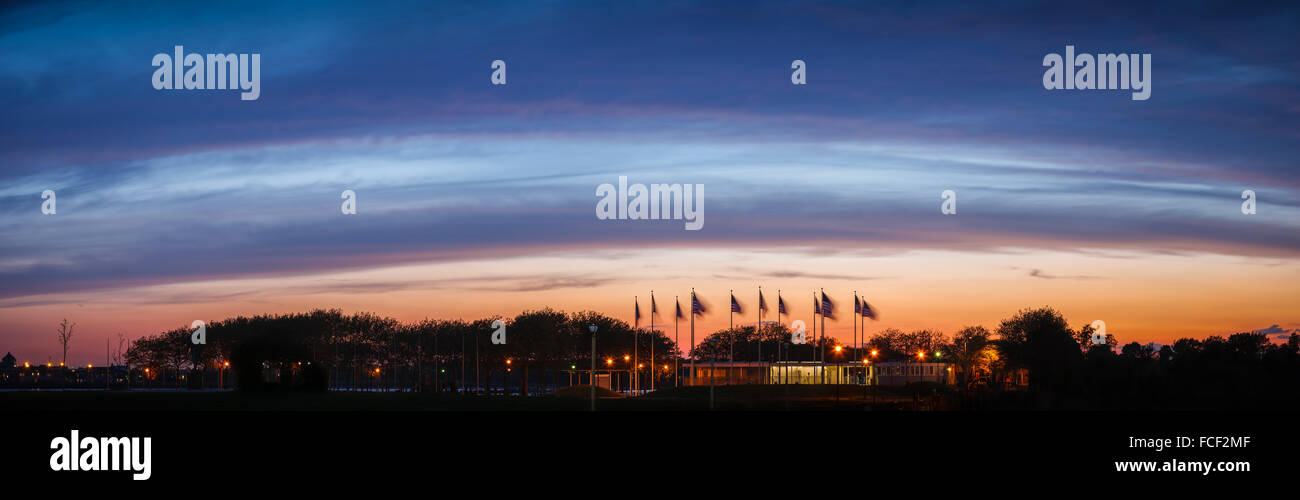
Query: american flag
(762, 304)
(679, 309)
(817, 308)
(697, 307)
(638, 310)
(735, 306)
(780, 306)
(867, 311)
(857, 306)
(828, 308)
(653, 308)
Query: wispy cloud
(1038, 273)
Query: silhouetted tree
(65, 336)
(1041, 341)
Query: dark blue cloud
(175, 185)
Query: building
(890, 374)
(811, 372)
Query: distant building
(797, 372)
(8, 361)
(906, 373)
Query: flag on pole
(828, 307)
(857, 306)
(762, 304)
(780, 306)
(638, 310)
(679, 314)
(653, 308)
(735, 306)
(697, 307)
(867, 311)
(817, 308)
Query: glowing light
(838, 348)
(626, 357)
(874, 352)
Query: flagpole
(691, 350)
(822, 347)
(652, 340)
(862, 340)
(636, 328)
(856, 308)
(758, 332)
(780, 342)
(731, 336)
(713, 367)
(677, 341)
(817, 309)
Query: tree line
(327, 348)
(1059, 365)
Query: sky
(476, 199)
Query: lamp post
(591, 377)
(785, 371)
(875, 379)
(783, 357)
(838, 376)
(866, 370)
(920, 358)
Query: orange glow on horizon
(1142, 297)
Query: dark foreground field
(797, 397)
(297, 438)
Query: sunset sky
(477, 200)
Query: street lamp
(591, 377)
(920, 356)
